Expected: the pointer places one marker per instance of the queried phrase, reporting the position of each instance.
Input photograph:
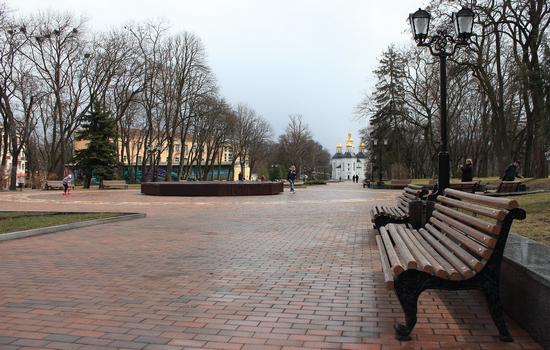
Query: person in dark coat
(511, 172)
(291, 176)
(467, 171)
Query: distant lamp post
(379, 145)
(442, 45)
(152, 152)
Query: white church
(346, 165)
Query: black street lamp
(442, 45)
(382, 143)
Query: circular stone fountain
(212, 188)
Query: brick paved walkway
(278, 272)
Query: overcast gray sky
(281, 57)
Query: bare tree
(295, 140)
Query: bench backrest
(411, 193)
(508, 186)
(400, 182)
(470, 186)
(114, 182)
(471, 229)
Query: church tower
(346, 165)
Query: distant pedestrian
(291, 176)
(511, 171)
(67, 184)
(467, 171)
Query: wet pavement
(288, 271)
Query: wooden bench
(503, 187)
(461, 247)
(508, 186)
(399, 183)
(55, 185)
(106, 184)
(470, 186)
(382, 215)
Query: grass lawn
(21, 221)
(537, 224)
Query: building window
(177, 160)
(178, 148)
(140, 159)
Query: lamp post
(442, 45)
(152, 152)
(382, 143)
(149, 150)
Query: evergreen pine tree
(387, 104)
(99, 158)
(389, 95)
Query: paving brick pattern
(291, 271)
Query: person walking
(467, 171)
(67, 184)
(291, 176)
(511, 171)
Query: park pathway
(290, 271)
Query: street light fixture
(442, 45)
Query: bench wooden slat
(423, 263)
(447, 254)
(396, 265)
(453, 274)
(485, 200)
(470, 220)
(400, 211)
(474, 208)
(413, 191)
(395, 213)
(386, 269)
(472, 245)
(401, 248)
(457, 250)
(484, 238)
(438, 269)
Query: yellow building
(5, 171)
(134, 154)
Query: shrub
(315, 182)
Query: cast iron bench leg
(408, 287)
(495, 308)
